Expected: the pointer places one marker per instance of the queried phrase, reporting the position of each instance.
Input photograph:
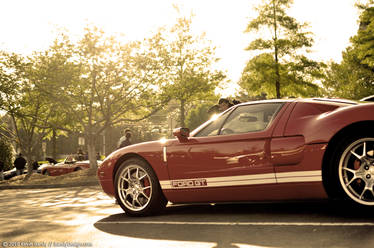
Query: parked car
(51, 162)
(270, 150)
(69, 165)
(12, 173)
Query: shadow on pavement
(225, 224)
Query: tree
(259, 74)
(187, 61)
(109, 83)
(26, 106)
(363, 41)
(349, 79)
(285, 72)
(198, 115)
(53, 66)
(353, 78)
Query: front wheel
(356, 170)
(137, 189)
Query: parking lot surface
(86, 217)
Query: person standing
(224, 104)
(80, 155)
(125, 140)
(19, 163)
(98, 156)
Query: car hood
(42, 166)
(142, 148)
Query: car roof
(368, 98)
(324, 100)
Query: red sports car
(256, 151)
(69, 165)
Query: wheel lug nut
(366, 167)
(368, 176)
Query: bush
(6, 154)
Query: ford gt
(270, 150)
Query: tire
(137, 189)
(353, 165)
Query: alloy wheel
(134, 187)
(356, 171)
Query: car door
(229, 159)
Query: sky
(31, 25)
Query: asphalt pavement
(84, 216)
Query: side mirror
(182, 133)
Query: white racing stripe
(299, 176)
(325, 224)
(267, 178)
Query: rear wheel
(137, 189)
(355, 167)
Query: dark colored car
(271, 150)
(12, 173)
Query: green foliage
(198, 115)
(6, 153)
(26, 107)
(12, 71)
(259, 75)
(353, 78)
(280, 70)
(363, 42)
(349, 79)
(186, 61)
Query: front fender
(151, 152)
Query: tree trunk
(277, 74)
(182, 119)
(28, 168)
(91, 149)
(54, 153)
(28, 156)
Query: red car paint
(65, 168)
(282, 162)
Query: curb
(49, 186)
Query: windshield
(241, 119)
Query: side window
(213, 128)
(250, 118)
